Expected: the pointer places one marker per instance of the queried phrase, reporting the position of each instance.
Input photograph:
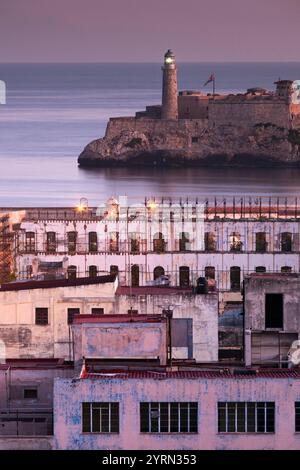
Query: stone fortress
(256, 128)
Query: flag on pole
(210, 79)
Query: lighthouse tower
(169, 108)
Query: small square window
(97, 311)
(41, 316)
(195, 140)
(30, 393)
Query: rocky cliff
(188, 143)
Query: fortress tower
(169, 87)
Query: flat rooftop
(50, 284)
(119, 318)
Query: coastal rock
(173, 144)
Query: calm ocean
(54, 110)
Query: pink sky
(141, 30)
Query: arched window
(286, 242)
(134, 243)
(72, 240)
(93, 271)
(135, 275)
(261, 244)
(114, 269)
(210, 243)
(93, 242)
(286, 269)
(260, 269)
(30, 242)
(235, 243)
(184, 242)
(184, 276)
(114, 242)
(235, 278)
(158, 271)
(159, 243)
(51, 242)
(72, 272)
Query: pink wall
(207, 392)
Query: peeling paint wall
(202, 309)
(24, 339)
(121, 340)
(256, 288)
(207, 392)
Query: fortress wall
(249, 113)
(192, 107)
(116, 126)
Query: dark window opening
(158, 271)
(181, 417)
(286, 242)
(286, 269)
(159, 244)
(100, 417)
(97, 311)
(72, 272)
(72, 242)
(261, 244)
(30, 242)
(235, 278)
(195, 139)
(184, 276)
(135, 275)
(184, 242)
(247, 417)
(260, 269)
(114, 269)
(30, 393)
(93, 271)
(51, 242)
(41, 316)
(93, 242)
(274, 310)
(297, 416)
(71, 314)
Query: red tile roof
(196, 374)
(49, 284)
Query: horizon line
(150, 62)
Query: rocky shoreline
(264, 146)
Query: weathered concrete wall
(123, 340)
(24, 339)
(202, 309)
(258, 286)
(207, 392)
(26, 443)
(170, 132)
(193, 106)
(197, 259)
(249, 112)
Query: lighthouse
(169, 87)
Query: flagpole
(214, 87)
